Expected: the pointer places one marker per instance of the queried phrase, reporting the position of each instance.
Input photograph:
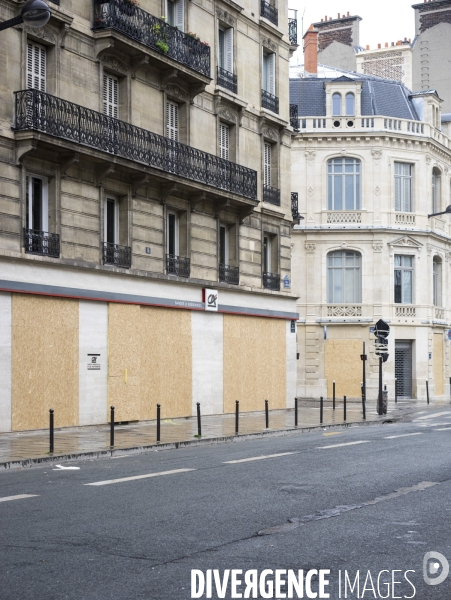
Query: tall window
(223, 245)
(403, 187)
(224, 137)
(225, 50)
(269, 62)
(437, 281)
(343, 184)
(344, 278)
(267, 165)
(436, 190)
(267, 248)
(336, 105)
(36, 66)
(175, 14)
(173, 234)
(37, 203)
(111, 221)
(110, 95)
(403, 279)
(172, 121)
(350, 104)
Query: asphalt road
(141, 538)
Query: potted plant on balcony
(160, 37)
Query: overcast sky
(383, 21)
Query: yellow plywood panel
(439, 368)
(343, 364)
(254, 363)
(166, 362)
(44, 361)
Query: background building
(142, 164)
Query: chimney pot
(311, 50)
(339, 16)
(378, 46)
(367, 47)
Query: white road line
(443, 429)
(434, 424)
(241, 460)
(108, 481)
(440, 414)
(393, 437)
(20, 497)
(340, 445)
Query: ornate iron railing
(294, 119)
(55, 2)
(42, 243)
(295, 206)
(228, 274)
(271, 195)
(270, 102)
(227, 80)
(119, 256)
(271, 281)
(177, 265)
(269, 11)
(136, 23)
(293, 31)
(38, 111)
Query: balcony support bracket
(221, 206)
(245, 213)
(167, 76)
(102, 44)
(140, 61)
(69, 161)
(23, 148)
(137, 183)
(103, 171)
(195, 89)
(196, 199)
(167, 190)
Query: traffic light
(382, 331)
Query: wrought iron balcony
(295, 206)
(134, 22)
(270, 102)
(269, 11)
(55, 2)
(228, 274)
(42, 112)
(271, 195)
(177, 265)
(42, 243)
(271, 281)
(119, 256)
(227, 80)
(294, 118)
(293, 31)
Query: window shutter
(180, 15)
(36, 67)
(271, 74)
(172, 121)
(267, 171)
(265, 72)
(224, 141)
(228, 50)
(221, 45)
(110, 96)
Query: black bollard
(396, 391)
(158, 422)
(112, 427)
(321, 410)
(363, 403)
(237, 414)
(295, 412)
(427, 390)
(199, 424)
(267, 414)
(51, 411)
(333, 394)
(344, 408)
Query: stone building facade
(338, 41)
(392, 61)
(145, 220)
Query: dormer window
(336, 105)
(350, 104)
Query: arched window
(336, 105)
(436, 191)
(343, 185)
(350, 105)
(437, 281)
(344, 277)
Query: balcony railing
(294, 119)
(136, 23)
(42, 243)
(295, 207)
(293, 31)
(270, 102)
(440, 313)
(177, 265)
(271, 195)
(269, 11)
(38, 111)
(119, 256)
(405, 311)
(228, 274)
(271, 281)
(227, 80)
(344, 310)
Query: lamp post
(35, 13)
(447, 211)
(381, 331)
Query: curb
(35, 462)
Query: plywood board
(343, 364)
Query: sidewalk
(28, 448)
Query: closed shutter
(271, 73)
(172, 121)
(36, 66)
(221, 44)
(224, 141)
(228, 50)
(179, 15)
(110, 96)
(267, 171)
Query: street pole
(379, 403)
(364, 381)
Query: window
(343, 184)
(36, 67)
(173, 234)
(350, 104)
(111, 221)
(267, 247)
(225, 50)
(268, 83)
(436, 190)
(175, 14)
(267, 165)
(403, 279)
(344, 278)
(403, 187)
(224, 137)
(37, 209)
(223, 245)
(172, 121)
(336, 105)
(110, 96)
(437, 281)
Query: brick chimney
(311, 51)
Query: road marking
(241, 460)
(443, 429)
(393, 437)
(440, 414)
(434, 424)
(108, 481)
(340, 445)
(333, 433)
(20, 497)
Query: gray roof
(379, 97)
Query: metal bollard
(344, 408)
(237, 414)
(158, 422)
(267, 414)
(199, 424)
(295, 412)
(112, 427)
(396, 391)
(363, 403)
(51, 411)
(321, 410)
(427, 390)
(333, 394)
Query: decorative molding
(344, 311)
(377, 190)
(270, 133)
(111, 62)
(429, 249)
(310, 247)
(174, 90)
(310, 155)
(268, 43)
(310, 190)
(43, 33)
(377, 155)
(227, 115)
(64, 33)
(344, 217)
(405, 311)
(344, 245)
(226, 17)
(428, 160)
(377, 246)
(406, 242)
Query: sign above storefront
(210, 300)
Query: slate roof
(380, 97)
